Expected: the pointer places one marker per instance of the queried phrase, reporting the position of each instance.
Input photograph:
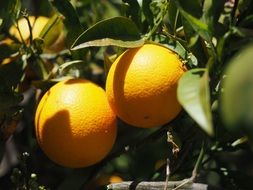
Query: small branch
(167, 173)
(198, 163)
(159, 185)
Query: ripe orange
(54, 39)
(141, 85)
(74, 123)
(37, 25)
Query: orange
(115, 179)
(37, 25)
(142, 83)
(74, 124)
(54, 39)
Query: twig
(158, 185)
(167, 173)
(194, 171)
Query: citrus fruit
(54, 39)
(37, 25)
(74, 124)
(141, 85)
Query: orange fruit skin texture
(142, 83)
(74, 124)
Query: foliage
(214, 40)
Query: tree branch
(158, 185)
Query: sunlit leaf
(52, 30)
(236, 99)
(69, 64)
(193, 94)
(118, 31)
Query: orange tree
(177, 75)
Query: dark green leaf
(119, 31)
(71, 20)
(193, 7)
(7, 50)
(133, 11)
(173, 15)
(200, 27)
(193, 94)
(236, 99)
(147, 12)
(191, 35)
(179, 49)
(10, 9)
(211, 12)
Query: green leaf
(193, 7)
(193, 95)
(7, 50)
(108, 61)
(52, 30)
(191, 35)
(133, 11)
(236, 99)
(10, 9)
(200, 27)
(71, 20)
(147, 12)
(118, 31)
(211, 12)
(177, 47)
(69, 64)
(173, 15)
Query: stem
(167, 174)
(175, 23)
(22, 39)
(198, 163)
(234, 11)
(30, 28)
